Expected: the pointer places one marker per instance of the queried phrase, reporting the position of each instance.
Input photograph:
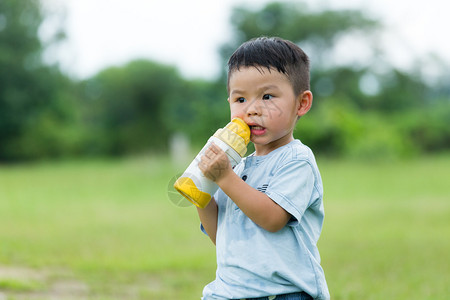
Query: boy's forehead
(251, 77)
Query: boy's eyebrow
(236, 92)
(268, 87)
(262, 88)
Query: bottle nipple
(236, 134)
(238, 126)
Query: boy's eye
(240, 100)
(267, 97)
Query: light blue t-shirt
(253, 262)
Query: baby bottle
(233, 140)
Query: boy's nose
(253, 108)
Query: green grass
(110, 225)
(386, 230)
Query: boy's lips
(256, 129)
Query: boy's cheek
(236, 115)
(237, 112)
(235, 109)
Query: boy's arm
(208, 218)
(255, 204)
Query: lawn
(106, 229)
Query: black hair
(273, 53)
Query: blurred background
(83, 78)
(103, 102)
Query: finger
(202, 166)
(211, 152)
(204, 159)
(215, 149)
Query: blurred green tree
(128, 108)
(201, 111)
(36, 109)
(317, 30)
(360, 109)
(138, 106)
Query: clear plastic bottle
(233, 140)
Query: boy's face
(267, 103)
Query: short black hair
(273, 53)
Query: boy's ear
(304, 102)
(228, 99)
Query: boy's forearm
(256, 205)
(208, 218)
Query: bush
(336, 128)
(428, 128)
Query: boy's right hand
(214, 163)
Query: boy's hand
(214, 163)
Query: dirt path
(21, 283)
(33, 284)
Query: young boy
(267, 216)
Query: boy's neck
(261, 150)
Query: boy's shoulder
(294, 151)
(295, 154)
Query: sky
(188, 34)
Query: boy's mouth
(257, 129)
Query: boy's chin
(259, 141)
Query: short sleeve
(292, 187)
(203, 229)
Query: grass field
(100, 229)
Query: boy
(267, 216)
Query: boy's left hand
(214, 163)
